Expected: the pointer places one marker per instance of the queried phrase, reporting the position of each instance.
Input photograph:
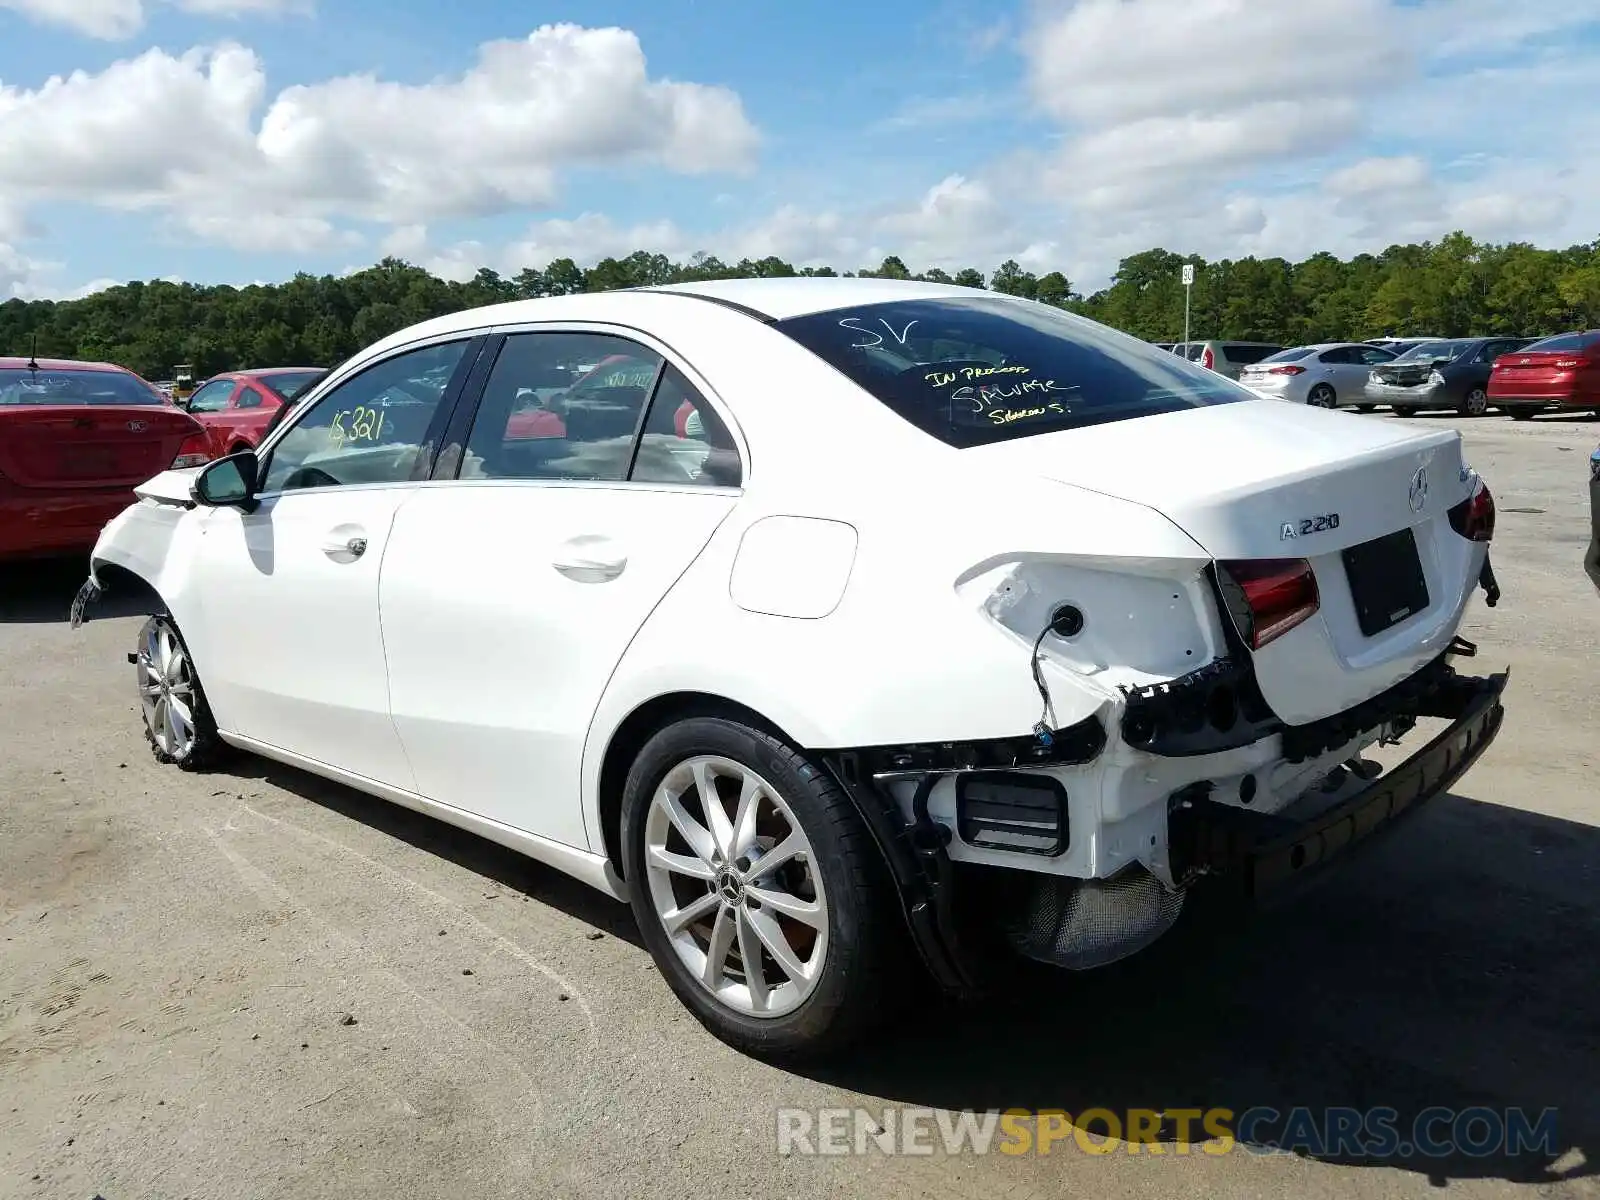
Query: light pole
(1188, 286)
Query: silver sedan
(1326, 375)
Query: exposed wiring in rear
(1041, 729)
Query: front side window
(370, 429)
(980, 370)
(211, 397)
(19, 386)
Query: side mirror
(228, 482)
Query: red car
(1561, 372)
(75, 439)
(236, 407)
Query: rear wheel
(177, 717)
(759, 891)
(239, 448)
(1322, 396)
(1474, 404)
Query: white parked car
(949, 619)
(1327, 375)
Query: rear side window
(19, 385)
(980, 370)
(1244, 354)
(1294, 355)
(569, 406)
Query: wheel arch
(637, 728)
(131, 593)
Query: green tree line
(1450, 288)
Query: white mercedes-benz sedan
(837, 625)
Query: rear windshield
(1435, 352)
(290, 384)
(18, 385)
(1561, 343)
(981, 370)
(1294, 355)
(1244, 354)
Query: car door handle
(590, 558)
(344, 548)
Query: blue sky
(240, 140)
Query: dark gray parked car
(1451, 373)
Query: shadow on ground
(40, 592)
(1448, 967)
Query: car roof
(263, 372)
(795, 296)
(61, 364)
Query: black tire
(1322, 396)
(1521, 414)
(1403, 412)
(866, 958)
(1474, 404)
(207, 748)
(1366, 408)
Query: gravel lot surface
(257, 984)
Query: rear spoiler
(170, 487)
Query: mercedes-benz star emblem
(729, 886)
(1419, 489)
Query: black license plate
(1386, 581)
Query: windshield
(980, 370)
(1297, 353)
(1434, 352)
(18, 385)
(290, 384)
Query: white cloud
(116, 19)
(178, 134)
(21, 277)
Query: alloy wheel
(166, 689)
(734, 882)
(1476, 403)
(1322, 396)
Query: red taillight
(1208, 359)
(1473, 518)
(1286, 370)
(1270, 596)
(193, 453)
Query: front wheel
(1322, 396)
(759, 891)
(1474, 404)
(177, 717)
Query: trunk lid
(1405, 374)
(81, 446)
(1265, 480)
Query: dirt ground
(257, 984)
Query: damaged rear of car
(1223, 667)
